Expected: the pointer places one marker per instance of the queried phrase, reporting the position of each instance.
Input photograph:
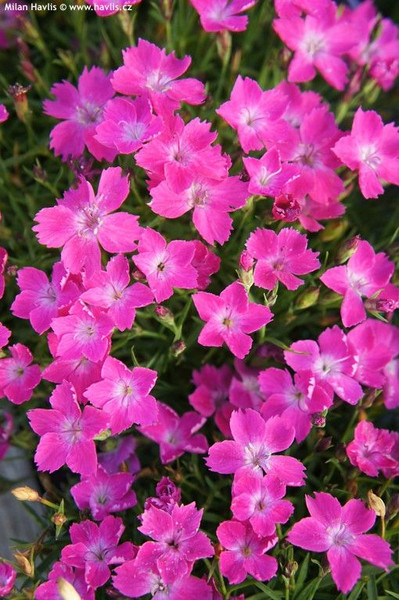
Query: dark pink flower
(370, 449)
(6, 430)
(18, 377)
(8, 576)
(268, 175)
(205, 262)
(76, 577)
(223, 15)
(3, 113)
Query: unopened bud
(307, 298)
(25, 494)
(347, 249)
(59, 519)
(291, 568)
(66, 590)
(319, 420)
(376, 504)
(392, 507)
(333, 230)
(286, 208)
(19, 94)
(164, 313)
(24, 564)
(323, 444)
(246, 261)
(177, 348)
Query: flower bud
(392, 507)
(25, 494)
(376, 504)
(178, 347)
(24, 564)
(307, 298)
(286, 208)
(19, 94)
(333, 230)
(59, 519)
(348, 248)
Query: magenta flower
(104, 493)
(244, 553)
(212, 389)
(110, 290)
(4, 114)
(81, 223)
(330, 361)
(148, 71)
(223, 15)
(7, 579)
(254, 113)
(268, 175)
(365, 274)
(205, 262)
(259, 500)
(124, 395)
(210, 200)
(3, 262)
(244, 389)
(40, 300)
(83, 332)
(296, 401)
(4, 335)
(370, 450)
(127, 125)
(372, 148)
(67, 433)
(18, 377)
(76, 577)
(95, 547)
(255, 442)
(318, 42)
(165, 266)
(81, 110)
(176, 435)
(280, 257)
(178, 543)
(229, 318)
(339, 531)
(6, 430)
(122, 456)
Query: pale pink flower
(223, 15)
(18, 377)
(339, 531)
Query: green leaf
(302, 574)
(308, 593)
(372, 593)
(391, 594)
(269, 593)
(355, 593)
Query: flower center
(88, 113)
(89, 221)
(313, 44)
(369, 155)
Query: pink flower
(210, 200)
(127, 125)
(110, 290)
(259, 500)
(81, 223)
(372, 148)
(318, 42)
(67, 433)
(124, 453)
(124, 395)
(18, 377)
(280, 257)
(294, 401)
(4, 335)
(3, 262)
(383, 54)
(3, 113)
(104, 493)
(174, 434)
(370, 449)
(212, 389)
(365, 274)
(8, 576)
(148, 71)
(339, 531)
(330, 361)
(104, 8)
(222, 15)
(165, 266)
(254, 113)
(244, 389)
(6, 430)
(40, 300)
(178, 543)
(81, 110)
(268, 175)
(294, 8)
(95, 547)
(255, 442)
(205, 262)
(229, 318)
(244, 553)
(76, 577)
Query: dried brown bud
(376, 504)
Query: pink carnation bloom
(3, 113)
(294, 8)
(18, 377)
(67, 433)
(148, 71)
(8, 576)
(372, 148)
(393, 470)
(83, 332)
(76, 577)
(6, 430)
(370, 449)
(127, 125)
(212, 389)
(254, 113)
(176, 435)
(210, 200)
(330, 361)
(383, 55)
(183, 147)
(223, 15)
(296, 401)
(312, 212)
(40, 300)
(178, 543)
(318, 42)
(255, 442)
(229, 318)
(142, 576)
(3, 262)
(103, 493)
(280, 257)
(110, 290)
(365, 274)
(244, 389)
(4, 335)
(123, 455)
(124, 395)
(81, 110)
(205, 262)
(166, 266)
(339, 531)
(244, 553)
(95, 547)
(268, 175)
(104, 8)
(298, 103)
(259, 500)
(81, 223)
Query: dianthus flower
(18, 377)
(205, 262)
(81, 109)
(371, 148)
(148, 71)
(244, 389)
(268, 175)
(121, 455)
(7, 579)
(229, 318)
(339, 531)
(3, 262)
(4, 114)
(6, 430)
(76, 577)
(81, 223)
(369, 451)
(223, 15)
(4, 335)
(212, 389)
